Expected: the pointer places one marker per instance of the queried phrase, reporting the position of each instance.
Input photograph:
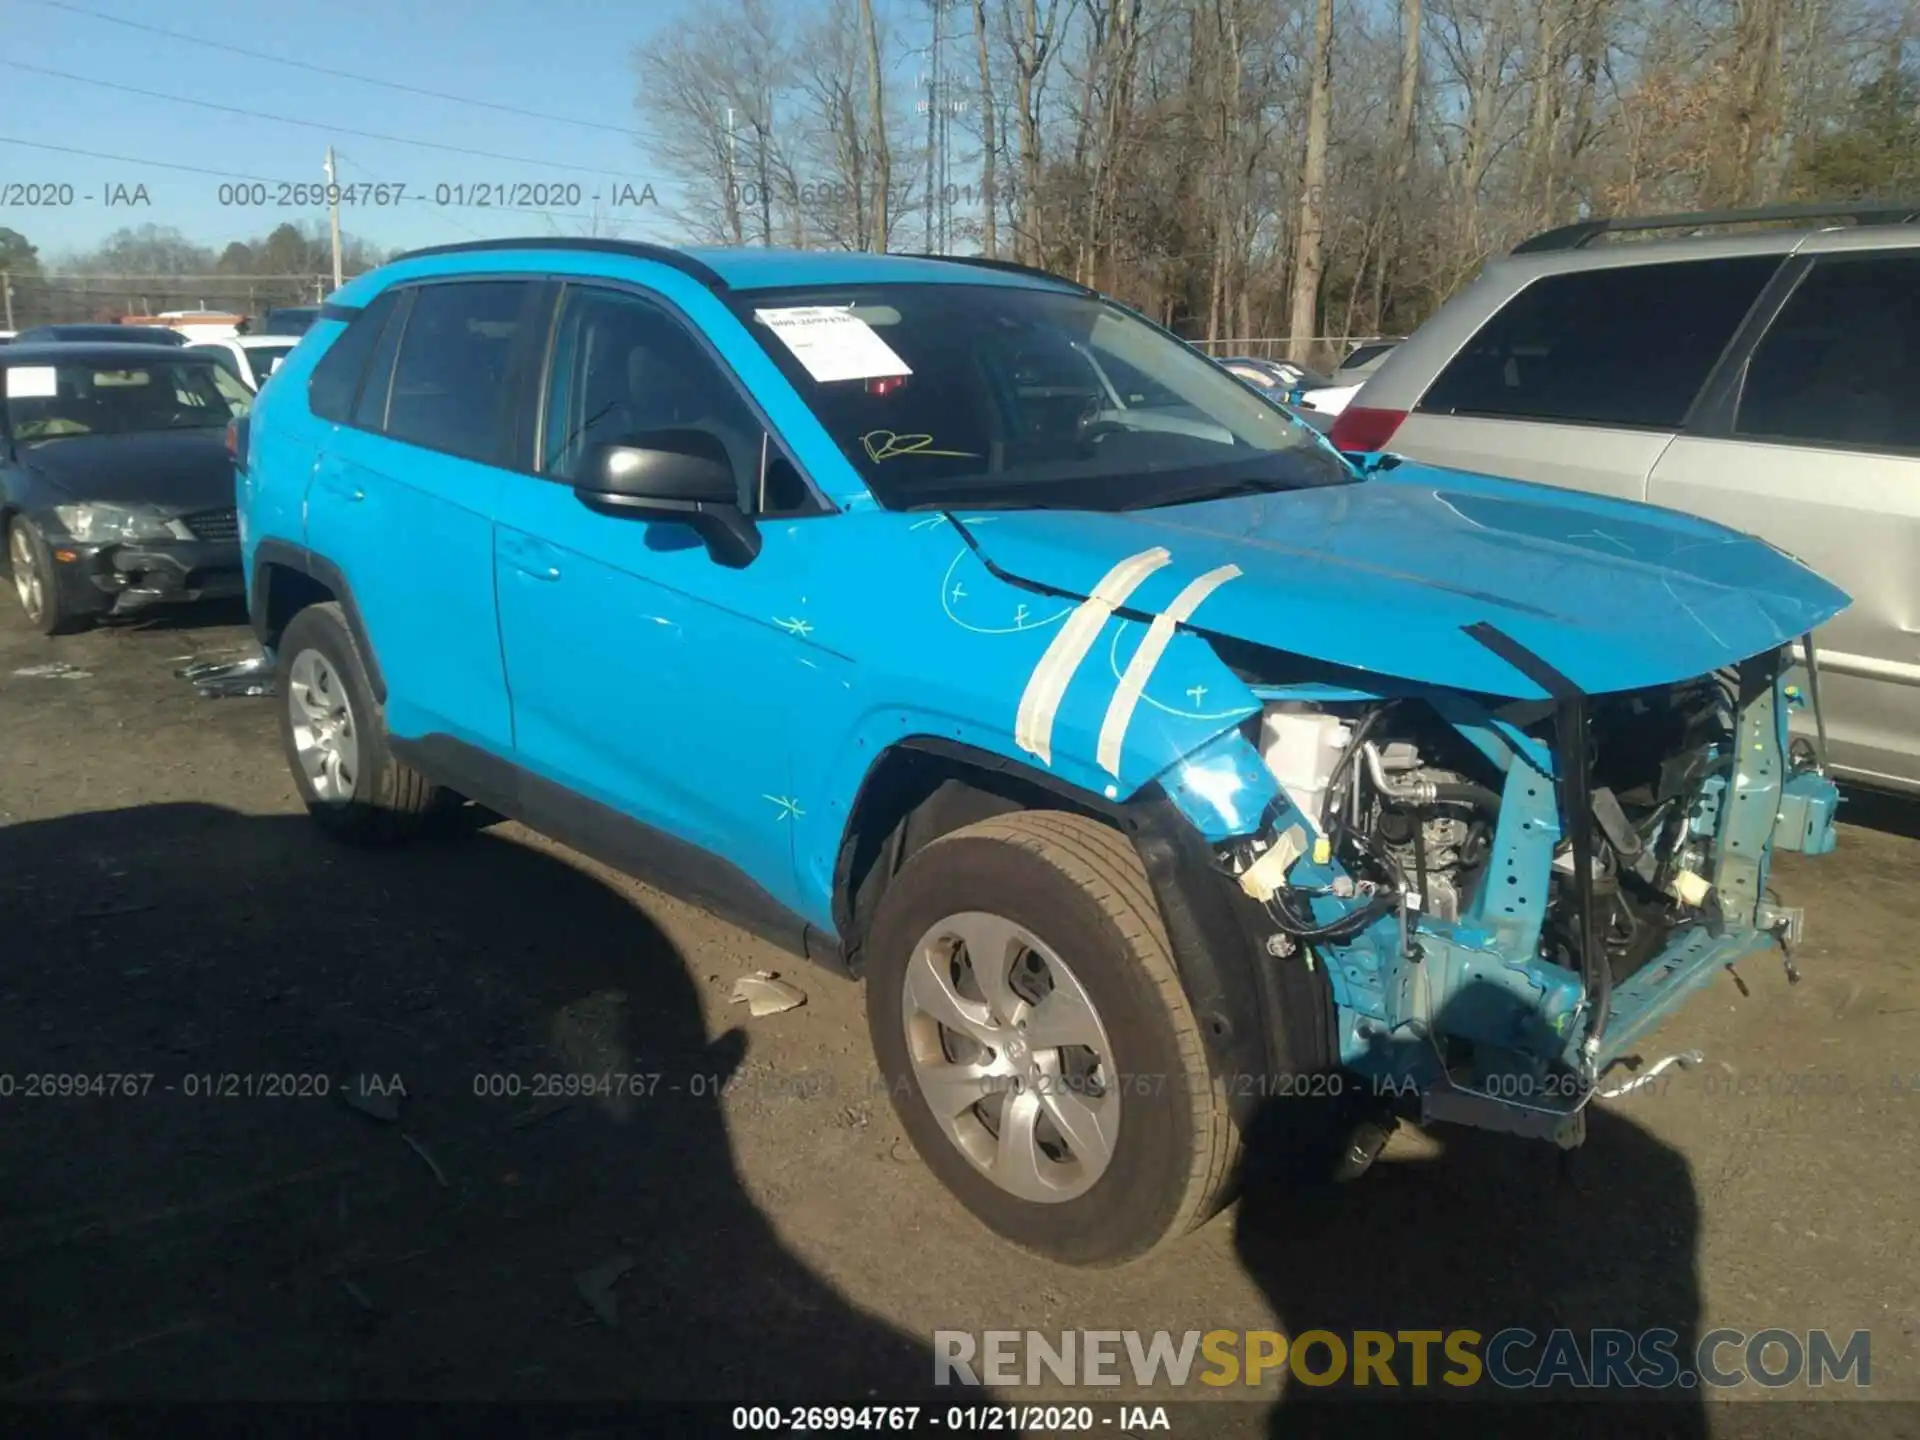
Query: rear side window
(1628, 346)
(450, 389)
(336, 378)
(1841, 363)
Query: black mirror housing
(677, 475)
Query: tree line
(147, 269)
(1302, 168)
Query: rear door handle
(336, 484)
(532, 558)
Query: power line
(134, 160)
(150, 275)
(336, 74)
(326, 128)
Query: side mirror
(678, 475)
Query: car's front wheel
(1037, 1043)
(336, 742)
(34, 584)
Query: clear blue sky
(569, 58)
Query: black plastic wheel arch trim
(283, 554)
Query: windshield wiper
(1225, 490)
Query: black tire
(389, 801)
(1079, 887)
(55, 616)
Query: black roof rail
(1581, 233)
(634, 249)
(1011, 267)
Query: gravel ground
(749, 1217)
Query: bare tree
(877, 119)
(1313, 182)
(989, 142)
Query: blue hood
(1384, 576)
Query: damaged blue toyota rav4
(1154, 765)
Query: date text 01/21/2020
(483, 195)
(917, 1420)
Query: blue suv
(1160, 770)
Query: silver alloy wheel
(1011, 1056)
(324, 735)
(27, 580)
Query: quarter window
(1627, 345)
(336, 378)
(1841, 363)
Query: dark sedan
(116, 488)
(100, 335)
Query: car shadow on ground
(1490, 1233)
(477, 1237)
(1881, 810)
(184, 617)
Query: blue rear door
(403, 496)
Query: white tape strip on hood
(1047, 686)
(1113, 730)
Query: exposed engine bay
(1427, 854)
(1409, 808)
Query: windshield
(48, 402)
(990, 396)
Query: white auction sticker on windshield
(32, 382)
(833, 343)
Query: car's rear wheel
(34, 583)
(336, 740)
(1037, 1043)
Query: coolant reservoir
(1301, 746)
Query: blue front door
(644, 674)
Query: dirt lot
(165, 909)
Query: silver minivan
(1767, 380)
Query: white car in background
(1347, 380)
(249, 357)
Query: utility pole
(6, 284)
(333, 196)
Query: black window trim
(771, 437)
(1721, 420)
(510, 454)
(529, 370)
(402, 313)
(1714, 408)
(1741, 331)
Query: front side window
(1841, 363)
(1628, 345)
(996, 396)
(50, 402)
(623, 368)
(450, 379)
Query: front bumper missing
(1467, 1022)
